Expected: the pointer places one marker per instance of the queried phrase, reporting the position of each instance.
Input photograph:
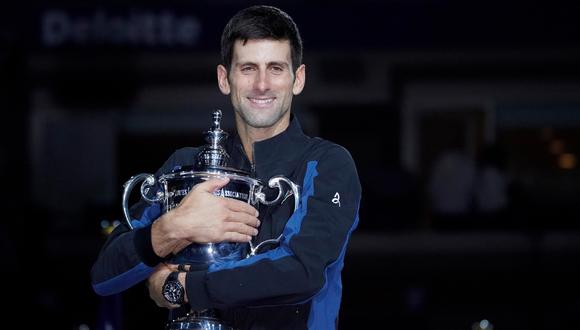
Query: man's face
(261, 81)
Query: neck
(249, 135)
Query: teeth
(262, 101)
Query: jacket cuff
(196, 291)
(144, 247)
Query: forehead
(261, 51)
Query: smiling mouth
(261, 101)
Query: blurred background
(463, 118)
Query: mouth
(261, 101)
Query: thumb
(213, 184)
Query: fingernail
(257, 213)
(255, 232)
(258, 223)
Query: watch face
(172, 291)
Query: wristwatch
(172, 290)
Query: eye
(247, 68)
(277, 69)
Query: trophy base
(198, 321)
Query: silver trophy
(169, 189)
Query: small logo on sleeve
(336, 199)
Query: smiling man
(261, 82)
(294, 284)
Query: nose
(262, 83)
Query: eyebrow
(282, 64)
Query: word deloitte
(135, 28)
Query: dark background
(93, 93)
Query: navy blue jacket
(294, 285)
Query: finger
(239, 206)
(184, 268)
(159, 267)
(240, 228)
(172, 267)
(243, 218)
(212, 184)
(236, 237)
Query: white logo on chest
(336, 199)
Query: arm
(156, 281)
(202, 217)
(128, 257)
(310, 257)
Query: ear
(222, 76)
(299, 80)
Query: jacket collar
(273, 156)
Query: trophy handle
(274, 182)
(148, 182)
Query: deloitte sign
(135, 28)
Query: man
(293, 285)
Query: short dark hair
(261, 22)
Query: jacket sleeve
(308, 262)
(127, 257)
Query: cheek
(242, 84)
(283, 84)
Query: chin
(261, 123)
(258, 121)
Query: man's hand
(202, 217)
(155, 284)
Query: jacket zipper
(252, 162)
(252, 172)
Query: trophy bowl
(240, 186)
(173, 187)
